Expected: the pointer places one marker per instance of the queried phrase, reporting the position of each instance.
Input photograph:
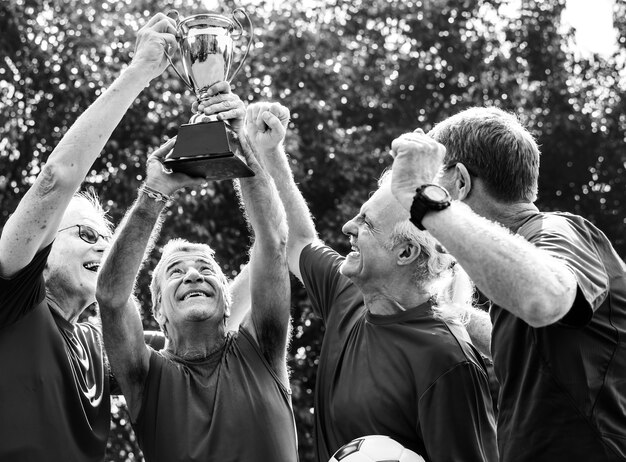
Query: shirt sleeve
(571, 242)
(456, 417)
(24, 291)
(319, 267)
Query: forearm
(265, 211)
(35, 221)
(301, 225)
(510, 271)
(84, 141)
(133, 240)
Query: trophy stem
(200, 117)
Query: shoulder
(318, 252)
(546, 223)
(239, 339)
(450, 347)
(159, 363)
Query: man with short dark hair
(557, 285)
(54, 388)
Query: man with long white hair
(395, 359)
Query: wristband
(154, 194)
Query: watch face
(435, 193)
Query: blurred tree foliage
(355, 74)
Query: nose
(349, 228)
(101, 244)
(192, 275)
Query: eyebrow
(179, 261)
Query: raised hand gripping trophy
(202, 148)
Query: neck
(66, 306)
(511, 215)
(195, 340)
(396, 298)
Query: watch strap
(422, 205)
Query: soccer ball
(374, 448)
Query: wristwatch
(428, 197)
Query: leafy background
(355, 74)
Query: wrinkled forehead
(188, 258)
(81, 212)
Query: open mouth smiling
(198, 293)
(354, 248)
(91, 266)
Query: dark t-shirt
(54, 390)
(563, 387)
(229, 407)
(407, 375)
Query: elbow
(57, 177)
(104, 300)
(107, 298)
(547, 308)
(278, 240)
(303, 234)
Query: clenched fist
(417, 161)
(266, 125)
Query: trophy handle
(187, 83)
(251, 35)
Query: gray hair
(183, 245)
(436, 270)
(90, 196)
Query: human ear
(463, 181)
(407, 253)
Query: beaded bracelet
(154, 194)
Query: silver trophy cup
(206, 43)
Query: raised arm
(268, 269)
(121, 321)
(34, 223)
(301, 226)
(510, 271)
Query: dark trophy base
(203, 150)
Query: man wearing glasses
(54, 389)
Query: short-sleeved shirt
(406, 375)
(54, 388)
(230, 406)
(563, 387)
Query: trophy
(202, 147)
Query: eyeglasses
(88, 234)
